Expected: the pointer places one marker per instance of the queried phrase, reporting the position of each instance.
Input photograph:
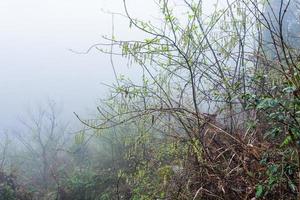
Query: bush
(10, 190)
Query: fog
(204, 83)
(36, 63)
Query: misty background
(36, 63)
(147, 142)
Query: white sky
(35, 63)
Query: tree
(44, 137)
(212, 101)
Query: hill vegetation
(215, 115)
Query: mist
(36, 61)
(154, 99)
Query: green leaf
(273, 132)
(267, 103)
(289, 89)
(259, 191)
(272, 169)
(79, 138)
(292, 186)
(286, 141)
